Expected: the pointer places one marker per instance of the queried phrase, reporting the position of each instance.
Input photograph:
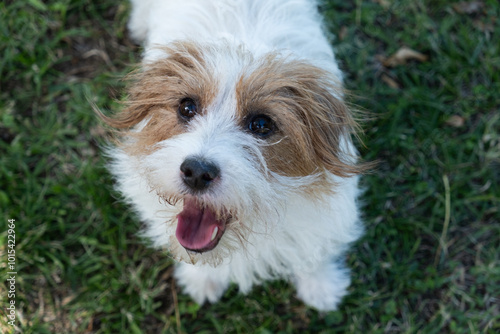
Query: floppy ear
(154, 94)
(314, 122)
(328, 121)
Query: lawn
(429, 261)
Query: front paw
(324, 288)
(202, 283)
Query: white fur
(259, 25)
(287, 234)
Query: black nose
(198, 174)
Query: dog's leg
(202, 283)
(324, 287)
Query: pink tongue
(195, 226)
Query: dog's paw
(202, 283)
(324, 288)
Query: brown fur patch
(311, 120)
(156, 92)
(302, 99)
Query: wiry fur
(290, 199)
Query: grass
(428, 263)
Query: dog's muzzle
(199, 226)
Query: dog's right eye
(261, 125)
(187, 109)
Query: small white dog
(235, 146)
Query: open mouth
(199, 228)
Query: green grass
(428, 263)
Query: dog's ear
(314, 121)
(328, 121)
(155, 92)
(161, 83)
(138, 103)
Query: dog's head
(225, 139)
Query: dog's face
(224, 139)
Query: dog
(235, 146)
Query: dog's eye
(261, 125)
(187, 109)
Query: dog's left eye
(261, 125)
(187, 109)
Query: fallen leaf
(484, 26)
(402, 56)
(390, 81)
(384, 3)
(342, 33)
(468, 7)
(455, 121)
(66, 300)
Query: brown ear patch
(310, 114)
(155, 93)
(303, 100)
